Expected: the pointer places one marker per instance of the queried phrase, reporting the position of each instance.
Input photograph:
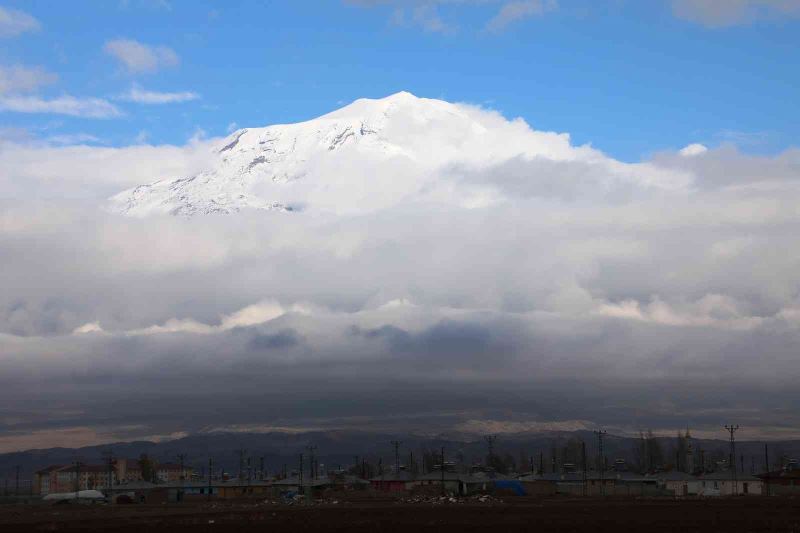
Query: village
(148, 481)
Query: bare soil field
(561, 515)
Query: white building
(722, 484)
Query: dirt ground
(729, 515)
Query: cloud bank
(573, 287)
(14, 22)
(138, 57)
(141, 96)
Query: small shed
(395, 482)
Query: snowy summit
(370, 154)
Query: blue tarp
(512, 484)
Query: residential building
(722, 484)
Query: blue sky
(632, 78)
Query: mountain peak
(400, 95)
(253, 164)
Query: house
(394, 482)
(69, 478)
(97, 477)
(576, 484)
(45, 480)
(722, 484)
(181, 491)
(610, 483)
(347, 482)
(138, 492)
(245, 488)
(633, 484)
(166, 472)
(127, 470)
(534, 485)
(781, 482)
(679, 483)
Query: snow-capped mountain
(364, 156)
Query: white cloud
(693, 149)
(138, 57)
(250, 315)
(14, 22)
(30, 170)
(427, 17)
(89, 327)
(63, 105)
(74, 138)
(425, 13)
(232, 126)
(723, 13)
(142, 96)
(21, 79)
(518, 10)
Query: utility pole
(583, 458)
(16, 481)
(311, 473)
(732, 463)
(181, 459)
(301, 474)
(241, 452)
(396, 444)
(110, 464)
(600, 434)
(490, 440)
(261, 468)
(541, 463)
(766, 466)
(443, 491)
(77, 479)
(210, 470)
